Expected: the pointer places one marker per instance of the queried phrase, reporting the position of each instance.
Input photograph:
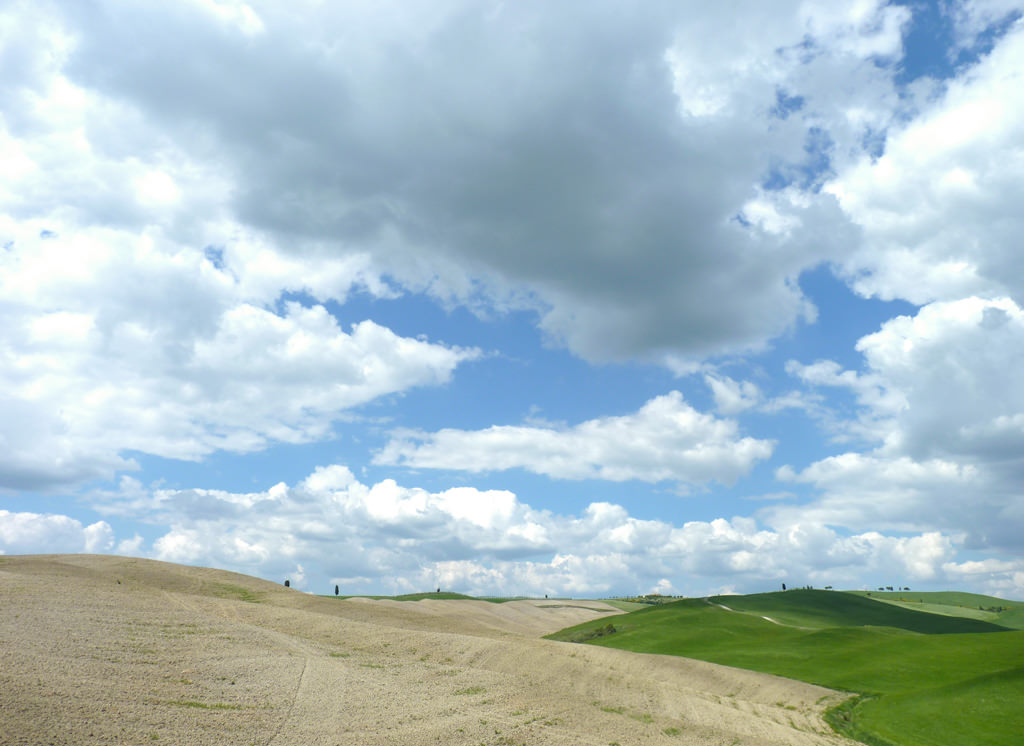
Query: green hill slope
(951, 603)
(919, 672)
(829, 609)
(434, 596)
(981, 710)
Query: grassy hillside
(623, 605)
(437, 596)
(928, 679)
(951, 603)
(826, 609)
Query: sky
(581, 299)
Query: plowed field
(111, 650)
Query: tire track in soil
(226, 610)
(291, 707)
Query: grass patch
(928, 679)
(442, 596)
(642, 717)
(238, 592)
(845, 719)
(592, 632)
(471, 690)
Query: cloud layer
(666, 440)
(179, 231)
(490, 542)
(481, 152)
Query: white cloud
(973, 18)
(99, 537)
(157, 208)
(401, 539)
(33, 533)
(939, 210)
(940, 397)
(656, 200)
(996, 577)
(864, 29)
(493, 154)
(732, 397)
(665, 440)
(131, 547)
(942, 383)
(113, 344)
(920, 557)
(388, 531)
(973, 502)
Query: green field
(951, 603)
(926, 679)
(442, 596)
(623, 605)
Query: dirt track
(108, 650)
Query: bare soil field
(113, 650)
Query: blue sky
(517, 298)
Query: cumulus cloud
(157, 211)
(939, 209)
(112, 345)
(401, 538)
(481, 152)
(941, 383)
(939, 396)
(665, 440)
(388, 531)
(992, 576)
(32, 533)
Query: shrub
(593, 634)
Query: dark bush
(593, 634)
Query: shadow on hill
(812, 608)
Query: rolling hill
(952, 603)
(925, 679)
(113, 650)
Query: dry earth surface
(113, 650)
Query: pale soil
(108, 650)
